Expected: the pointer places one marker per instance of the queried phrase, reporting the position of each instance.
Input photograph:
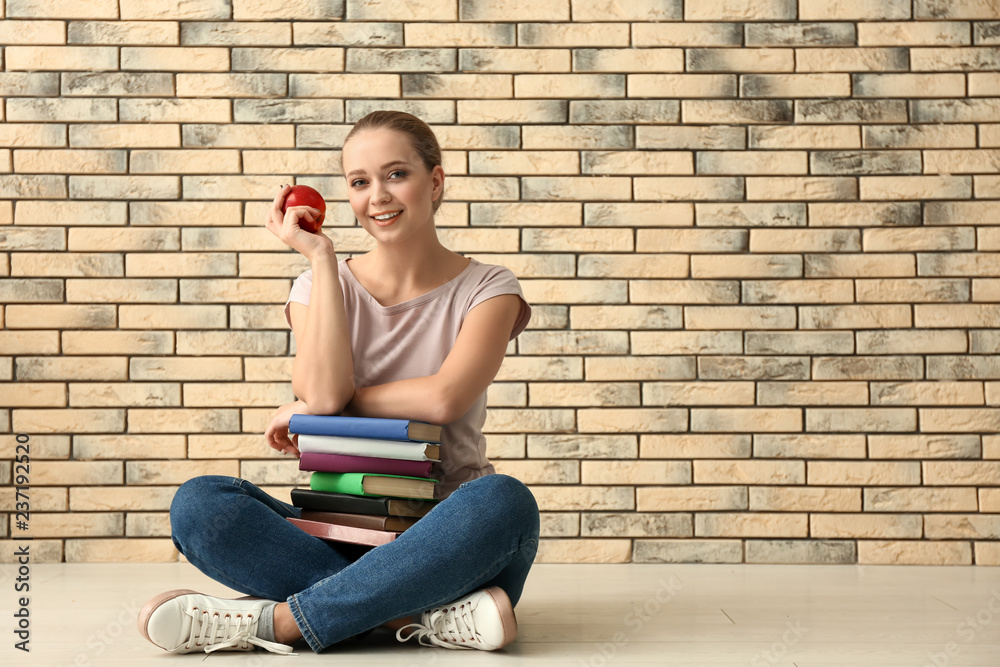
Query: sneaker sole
(507, 618)
(150, 607)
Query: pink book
(317, 462)
(337, 533)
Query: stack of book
(370, 477)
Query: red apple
(303, 195)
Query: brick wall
(761, 238)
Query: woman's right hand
(277, 432)
(287, 228)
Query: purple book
(317, 462)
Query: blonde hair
(420, 134)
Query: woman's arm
(467, 371)
(323, 370)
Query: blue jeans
(484, 534)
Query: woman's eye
(398, 173)
(357, 182)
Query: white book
(383, 449)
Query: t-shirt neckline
(409, 303)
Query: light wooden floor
(581, 615)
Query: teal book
(373, 484)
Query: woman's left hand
(277, 432)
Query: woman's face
(391, 191)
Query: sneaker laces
(448, 627)
(238, 633)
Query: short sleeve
(497, 281)
(301, 289)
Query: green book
(373, 484)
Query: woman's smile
(385, 219)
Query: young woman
(409, 330)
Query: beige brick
(961, 161)
(452, 137)
(812, 393)
(688, 551)
(797, 291)
(756, 266)
(866, 162)
(122, 446)
(956, 9)
(180, 58)
(804, 136)
(185, 161)
(810, 188)
(239, 136)
(644, 368)
(142, 420)
(920, 500)
(756, 162)
(231, 85)
(29, 342)
(957, 526)
(578, 342)
(810, 446)
(866, 525)
(860, 419)
(179, 265)
(920, 136)
(532, 265)
(867, 368)
(739, 317)
(291, 162)
(934, 59)
(117, 83)
(697, 393)
(77, 109)
(32, 32)
(124, 187)
(636, 525)
(176, 472)
(635, 472)
(758, 524)
(683, 291)
(180, 368)
(740, 60)
(739, 10)
(220, 343)
(872, 59)
(58, 317)
(909, 85)
(736, 111)
(923, 446)
(912, 290)
(87, 395)
(851, 111)
(965, 367)
(400, 60)
(512, 111)
(541, 368)
(856, 317)
(526, 163)
(62, 264)
(297, 59)
(803, 240)
(582, 550)
(792, 499)
(32, 238)
(459, 34)
(578, 240)
(913, 33)
(983, 84)
(30, 84)
(72, 368)
(960, 473)
(681, 86)
(63, 9)
(207, 33)
(77, 525)
(801, 551)
(794, 85)
(569, 85)
(514, 10)
(193, 290)
(86, 342)
(42, 395)
(125, 136)
(32, 134)
(913, 552)
(986, 186)
(659, 188)
(839, 10)
(67, 421)
(940, 111)
(514, 61)
(528, 420)
(865, 214)
(633, 266)
(508, 395)
(628, 60)
(627, 420)
(805, 342)
(926, 341)
(955, 315)
(576, 188)
(757, 420)
(686, 34)
(989, 135)
(637, 162)
(690, 445)
(987, 553)
(129, 238)
(746, 367)
(288, 9)
(691, 499)
(274, 111)
(863, 473)
(625, 317)
(242, 394)
(576, 137)
(582, 446)
(685, 342)
(885, 265)
(573, 34)
(959, 420)
(47, 473)
(640, 10)
(749, 472)
(562, 498)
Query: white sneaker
(482, 620)
(183, 621)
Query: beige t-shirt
(412, 339)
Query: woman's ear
(437, 182)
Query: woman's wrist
(323, 255)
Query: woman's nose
(379, 193)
